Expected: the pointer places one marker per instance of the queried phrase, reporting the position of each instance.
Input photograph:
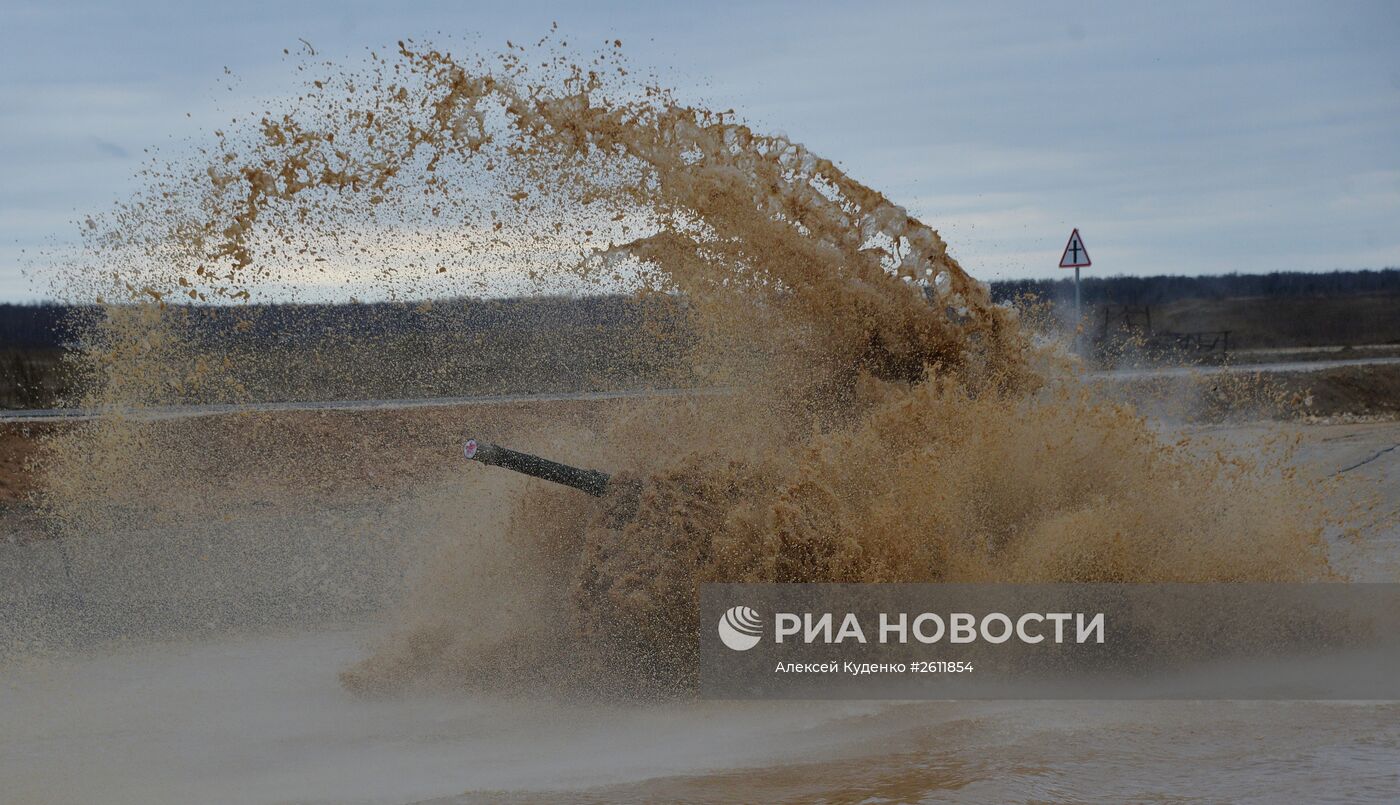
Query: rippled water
(263, 720)
(248, 714)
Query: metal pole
(593, 482)
(1078, 314)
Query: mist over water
(887, 422)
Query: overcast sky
(1179, 137)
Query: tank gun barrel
(594, 482)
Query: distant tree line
(48, 325)
(1160, 290)
(35, 325)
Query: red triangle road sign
(1075, 256)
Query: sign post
(1076, 257)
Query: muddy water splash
(888, 422)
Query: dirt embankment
(19, 444)
(1372, 390)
